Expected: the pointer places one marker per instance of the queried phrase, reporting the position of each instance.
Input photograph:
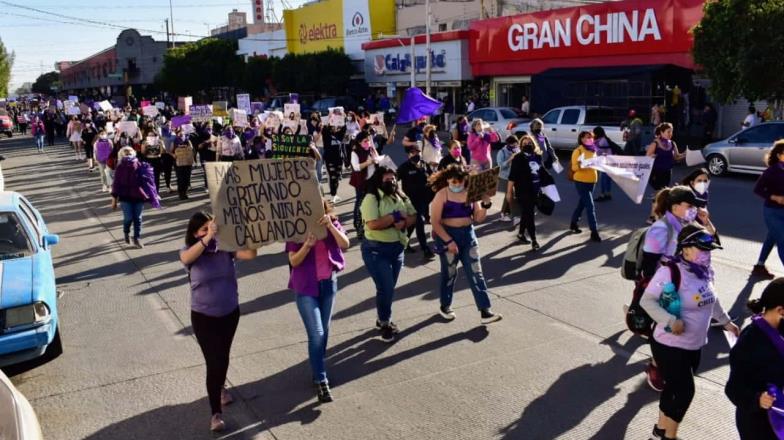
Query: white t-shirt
(750, 121)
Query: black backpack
(637, 319)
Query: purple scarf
(665, 144)
(776, 412)
(704, 273)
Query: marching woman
(182, 151)
(460, 134)
(103, 151)
(431, 148)
(480, 142)
(333, 156)
(352, 130)
(152, 150)
(215, 310)
(455, 156)
(757, 362)
(363, 160)
(387, 214)
(39, 133)
(584, 181)
(682, 313)
(770, 186)
(229, 146)
(132, 187)
(89, 133)
(504, 161)
(526, 179)
(314, 279)
(665, 154)
(74, 134)
(453, 218)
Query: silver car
(505, 120)
(744, 151)
(17, 418)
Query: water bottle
(671, 302)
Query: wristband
(397, 216)
(447, 243)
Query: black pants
(50, 136)
(157, 167)
(215, 336)
(206, 156)
(660, 179)
(677, 367)
(167, 164)
(347, 154)
(422, 217)
(753, 424)
(359, 225)
(183, 180)
(334, 170)
(527, 216)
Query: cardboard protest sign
(481, 184)
(184, 104)
(337, 116)
(128, 127)
(631, 173)
(256, 107)
(220, 108)
(201, 113)
(73, 98)
(243, 102)
(160, 105)
(105, 106)
(179, 121)
(109, 127)
(188, 128)
(290, 145)
(238, 117)
(262, 201)
(84, 108)
(150, 111)
(273, 120)
(292, 111)
(72, 111)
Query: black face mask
(389, 187)
(536, 130)
(415, 159)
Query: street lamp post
(171, 18)
(427, 48)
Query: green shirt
(373, 208)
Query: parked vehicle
(17, 418)
(563, 124)
(6, 124)
(322, 106)
(505, 120)
(744, 151)
(29, 325)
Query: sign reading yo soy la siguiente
(290, 145)
(256, 202)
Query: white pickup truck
(563, 124)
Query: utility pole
(168, 44)
(413, 64)
(171, 17)
(428, 61)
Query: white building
(270, 44)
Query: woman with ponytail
(757, 362)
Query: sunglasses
(699, 239)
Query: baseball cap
(696, 236)
(680, 194)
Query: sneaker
(104, 188)
(409, 249)
(522, 239)
(488, 317)
(429, 255)
(323, 392)
(127, 240)
(595, 237)
(505, 218)
(138, 243)
(573, 227)
(226, 397)
(391, 324)
(516, 221)
(654, 378)
(388, 333)
(336, 199)
(447, 313)
(217, 424)
(657, 433)
(534, 245)
(761, 271)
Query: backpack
(632, 258)
(637, 319)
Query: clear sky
(85, 27)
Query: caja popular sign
(591, 33)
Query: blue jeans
(767, 248)
(774, 219)
(316, 314)
(468, 254)
(605, 183)
(39, 142)
(383, 261)
(132, 213)
(585, 191)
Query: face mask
(703, 258)
(512, 147)
(536, 130)
(691, 214)
(130, 156)
(701, 187)
(415, 159)
(366, 145)
(456, 188)
(104, 137)
(456, 153)
(389, 187)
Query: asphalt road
(560, 364)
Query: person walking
(215, 310)
(74, 134)
(229, 146)
(480, 142)
(387, 214)
(682, 329)
(363, 164)
(50, 122)
(333, 157)
(314, 279)
(413, 174)
(103, 151)
(756, 363)
(431, 146)
(453, 219)
(527, 176)
(183, 161)
(666, 154)
(455, 156)
(504, 159)
(315, 127)
(549, 158)
(151, 151)
(39, 133)
(89, 133)
(460, 134)
(770, 186)
(133, 186)
(584, 181)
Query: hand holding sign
(483, 184)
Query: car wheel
(55, 348)
(717, 165)
(9, 134)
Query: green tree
(258, 74)
(47, 84)
(325, 72)
(201, 66)
(6, 63)
(738, 44)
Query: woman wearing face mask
(682, 330)
(526, 179)
(352, 130)
(455, 156)
(757, 362)
(132, 187)
(387, 214)
(453, 220)
(208, 149)
(152, 150)
(584, 181)
(699, 182)
(215, 310)
(314, 279)
(504, 161)
(413, 175)
(548, 153)
(74, 134)
(431, 146)
(314, 127)
(333, 157)
(770, 186)
(363, 161)
(480, 142)
(460, 134)
(229, 146)
(183, 157)
(103, 151)
(89, 133)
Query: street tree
(47, 84)
(6, 63)
(201, 66)
(738, 44)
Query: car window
(508, 113)
(490, 115)
(14, 242)
(551, 117)
(570, 116)
(29, 214)
(761, 134)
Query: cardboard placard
(150, 111)
(239, 118)
(290, 145)
(220, 108)
(201, 113)
(337, 116)
(73, 98)
(72, 111)
(128, 127)
(292, 111)
(160, 105)
(145, 103)
(188, 128)
(109, 127)
(256, 107)
(184, 104)
(84, 108)
(105, 106)
(481, 184)
(243, 102)
(262, 201)
(273, 120)
(179, 121)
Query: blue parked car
(28, 296)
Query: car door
(569, 126)
(550, 120)
(750, 145)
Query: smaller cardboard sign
(188, 128)
(160, 105)
(256, 107)
(128, 127)
(243, 103)
(337, 116)
(72, 111)
(105, 106)
(481, 184)
(73, 98)
(184, 104)
(290, 145)
(145, 103)
(150, 111)
(273, 120)
(238, 117)
(109, 127)
(292, 111)
(220, 108)
(201, 113)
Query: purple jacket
(134, 182)
(303, 280)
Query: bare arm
(247, 254)
(436, 210)
(651, 150)
(296, 258)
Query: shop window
(570, 117)
(441, 27)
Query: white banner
(631, 173)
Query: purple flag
(179, 121)
(415, 105)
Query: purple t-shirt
(213, 279)
(304, 279)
